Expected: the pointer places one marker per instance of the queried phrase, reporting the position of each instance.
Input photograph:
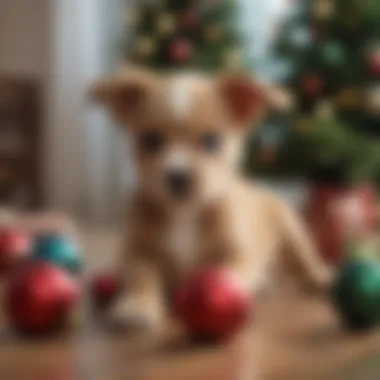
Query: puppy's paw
(135, 314)
(323, 280)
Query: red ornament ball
(40, 298)
(180, 51)
(104, 289)
(312, 85)
(15, 246)
(373, 63)
(213, 305)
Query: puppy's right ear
(123, 94)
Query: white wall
(60, 43)
(44, 39)
(24, 37)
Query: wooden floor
(293, 337)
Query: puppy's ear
(123, 93)
(246, 100)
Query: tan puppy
(190, 207)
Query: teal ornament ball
(357, 294)
(58, 250)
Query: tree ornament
(180, 51)
(372, 100)
(349, 97)
(58, 250)
(233, 59)
(213, 305)
(214, 33)
(333, 53)
(165, 24)
(323, 9)
(40, 298)
(145, 46)
(15, 246)
(373, 62)
(324, 110)
(312, 85)
(104, 288)
(356, 294)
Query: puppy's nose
(179, 182)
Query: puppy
(190, 207)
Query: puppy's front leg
(141, 304)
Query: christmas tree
(173, 34)
(329, 52)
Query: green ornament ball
(357, 294)
(58, 250)
(333, 53)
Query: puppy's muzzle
(179, 183)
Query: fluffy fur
(224, 220)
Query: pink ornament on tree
(373, 62)
(180, 51)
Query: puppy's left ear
(246, 100)
(123, 93)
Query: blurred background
(57, 152)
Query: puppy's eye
(151, 141)
(211, 142)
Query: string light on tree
(323, 9)
(214, 33)
(145, 46)
(324, 110)
(373, 100)
(165, 24)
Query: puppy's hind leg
(302, 251)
